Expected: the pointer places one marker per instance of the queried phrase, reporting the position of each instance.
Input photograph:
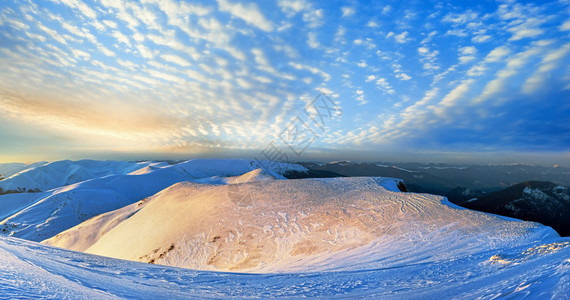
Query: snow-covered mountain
(37, 216)
(9, 169)
(295, 225)
(45, 176)
(331, 237)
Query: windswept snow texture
(38, 216)
(538, 269)
(335, 237)
(306, 225)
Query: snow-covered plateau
(238, 228)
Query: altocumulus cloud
(202, 76)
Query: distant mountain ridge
(442, 178)
(539, 201)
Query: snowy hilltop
(107, 237)
(40, 215)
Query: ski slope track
(243, 233)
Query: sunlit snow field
(238, 228)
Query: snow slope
(296, 226)
(325, 238)
(45, 176)
(37, 216)
(9, 169)
(532, 269)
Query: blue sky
(487, 81)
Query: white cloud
(372, 24)
(244, 83)
(127, 64)
(383, 84)
(146, 16)
(360, 97)
(370, 78)
(429, 37)
(521, 33)
(236, 53)
(417, 110)
(314, 17)
(121, 12)
(499, 84)
(457, 93)
(430, 66)
(465, 59)
(145, 52)
(477, 70)
(80, 54)
(402, 37)
(106, 51)
(497, 54)
(263, 62)
(82, 7)
(403, 76)
(138, 37)
(121, 38)
(466, 54)
(249, 13)
(386, 9)
(428, 58)
(462, 18)
(565, 26)
(165, 76)
(83, 33)
(467, 50)
(98, 25)
(549, 62)
(312, 40)
(362, 64)
(292, 7)
(481, 38)
(170, 40)
(263, 79)
(347, 11)
(110, 23)
(52, 33)
(288, 50)
(339, 35)
(221, 62)
(316, 71)
(457, 32)
(175, 59)
(16, 24)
